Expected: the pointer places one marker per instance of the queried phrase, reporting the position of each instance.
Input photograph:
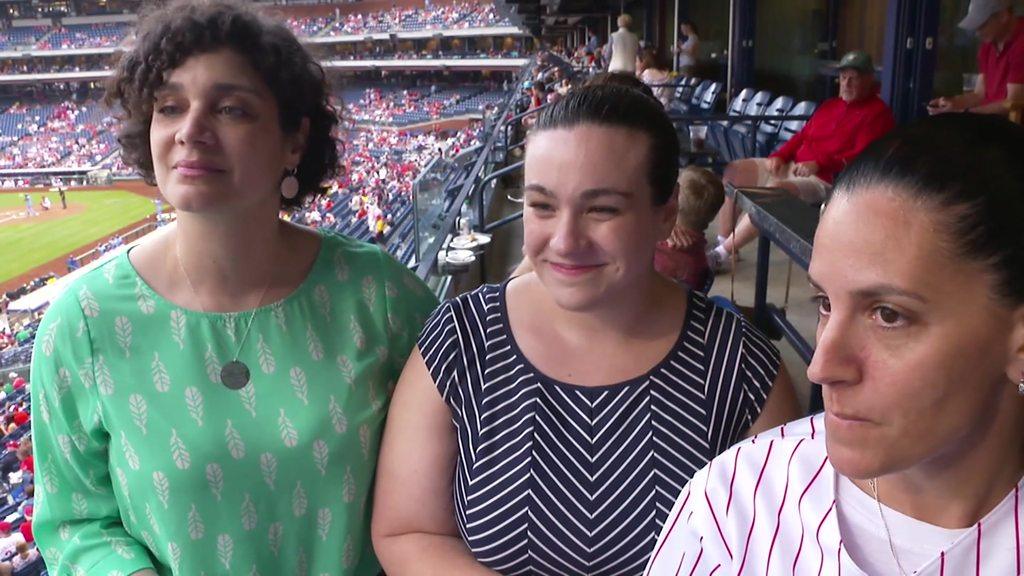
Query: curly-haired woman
(211, 400)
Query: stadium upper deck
(67, 35)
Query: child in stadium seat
(682, 256)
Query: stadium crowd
(65, 134)
(457, 16)
(373, 195)
(460, 15)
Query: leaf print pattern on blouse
(299, 500)
(323, 301)
(200, 478)
(139, 411)
(212, 364)
(268, 467)
(225, 548)
(49, 336)
(178, 328)
(161, 380)
(104, 381)
(323, 523)
(236, 447)
(266, 356)
(274, 537)
(123, 333)
(249, 517)
(179, 453)
(320, 456)
(299, 385)
(289, 435)
(248, 396)
(196, 528)
(215, 479)
(194, 401)
(338, 419)
(90, 307)
(129, 453)
(163, 488)
(147, 305)
(316, 348)
(370, 292)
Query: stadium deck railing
(472, 188)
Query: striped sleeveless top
(554, 478)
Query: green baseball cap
(857, 60)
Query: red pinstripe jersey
(767, 506)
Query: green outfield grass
(25, 244)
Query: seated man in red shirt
(1000, 61)
(806, 165)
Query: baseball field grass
(91, 217)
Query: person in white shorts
(806, 165)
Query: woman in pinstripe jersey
(916, 465)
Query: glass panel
(712, 21)
(862, 27)
(431, 203)
(956, 49)
(787, 45)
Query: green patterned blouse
(144, 459)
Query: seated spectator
(806, 165)
(548, 437)
(682, 256)
(652, 71)
(538, 98)
(1000, 61)
(8, 541)
(24, 454)
(30, 493)
(918, 266)
(26, 526)
(24, 556)
(19, 417)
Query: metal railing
(480, 172)
(128, 237)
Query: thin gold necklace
(235, 374)
(888, 535)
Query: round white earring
(290, 184)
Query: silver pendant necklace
(892, 546)
(235, 374)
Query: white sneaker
(716, 262)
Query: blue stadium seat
(789, 128)
(737, 133)
(717, 129)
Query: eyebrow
(588, 194)
(218, 88)
(877, 291)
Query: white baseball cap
(980, 11)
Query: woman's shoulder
(350, 257)
(797, 445)
(486, 298)
(89, 289)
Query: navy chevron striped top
(554, 478)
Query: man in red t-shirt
(1000, 61)
(806, 165)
